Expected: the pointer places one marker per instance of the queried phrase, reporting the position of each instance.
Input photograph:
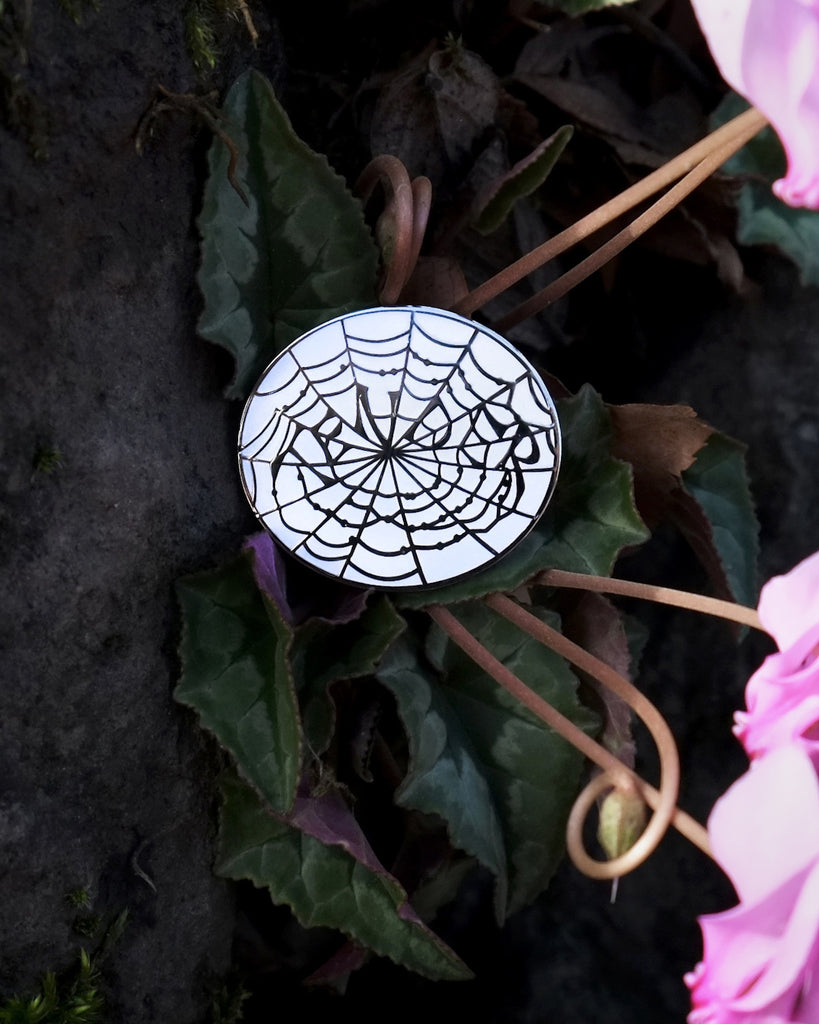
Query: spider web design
(399, 447)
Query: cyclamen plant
(769, 53)
(761, 957)
(267, 661)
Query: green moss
(87, 925)
(74, 8)
(79, 898)
(47, 459)
(227, 1004)
(74, 998)
(206, 22)
(200, 34)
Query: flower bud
(622, 820)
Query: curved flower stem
(617, 774)
(675, 195)
(407, 206)
(739, 613)
(725, 140)
(421, 203)
(662, 803)
(393, 176)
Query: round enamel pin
(399, 447)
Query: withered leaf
(660, 442)
(434, 112)
(436, 281)
(596, 625)
(497, 199)
(564, 66)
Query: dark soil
(118, 464)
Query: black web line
(358, 538)
(480, 406)
(301, 466)
(488, 500)
(424, 455)
(452, 520)
(453, 367)
(333, 515)
(352, 352)
(408, 530)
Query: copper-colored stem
(600, 257)
(617, 774)
(737, 131)
(408, 205)
(663, 803)
(739, 613)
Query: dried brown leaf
(596, 625)
(660, 442)
(436, 281)
(433, 113)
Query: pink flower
(761, 959)
(782, 696)
(768, 50)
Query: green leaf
(445, 775)
(577, 7)
(320, 865)
(766, 220)
(532, 774)
(522, 180)
(718, 482)
(324, 653)
(298, 254)
(588, 523)
(235, 674)
(763, 218)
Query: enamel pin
(399, 447)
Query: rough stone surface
(103, 780)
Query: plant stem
(662, 802)
(600, 257)
(392, 175)
(407, 206)
(724, 141)
(661, 595)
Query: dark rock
(118, 464)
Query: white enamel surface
(399, 447)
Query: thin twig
(600, 257)
(663, 803)
(618, 775)
(605, 214)
(739, 613)
(408, 225)
(201, 107)
(251, 28)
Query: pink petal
(765, 829)
(759, 958)
(789, 604)
(723, 25)
(738, 946)
(807, 1011)
(768, 50)
(795, 952)
(782, 699)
